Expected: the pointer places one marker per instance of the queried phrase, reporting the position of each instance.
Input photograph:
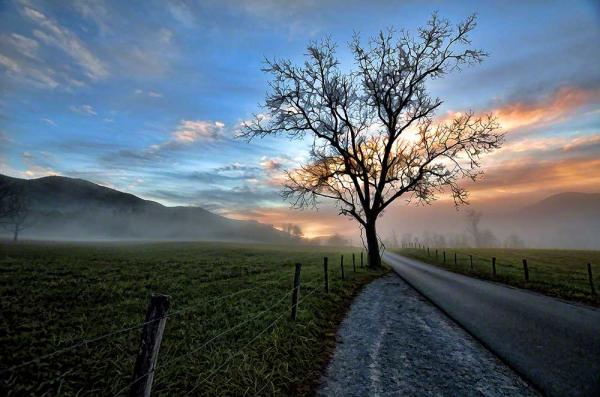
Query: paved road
(393, 342)
(553, 343)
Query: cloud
(86, 110)
(273, 164)
(24, 45)
(95, 11)
(10, 64)
(165, 36)
(49, 122)
(189, 131)
(55, 35)
(181, 12)
(556, 107)
(42, 77)
(535, 176)
(152, 94)
(547, 146)
(528, 114)
(37, 166)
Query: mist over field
(565, 220)
(72, 209)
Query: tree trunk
(16, 234)
(372, 245)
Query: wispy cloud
(24, 45)
(86, 110)
(53, 34)
(152, 94)
(49, 122)
(36, 75)
(9, 64)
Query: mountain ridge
(73, 208)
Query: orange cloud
(538, 177)
(558, 107)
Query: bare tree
(14, 210)
(293, 230)
(372, 130)
(473, 219)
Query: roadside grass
(560, 273)
(53, 295)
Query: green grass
(53, 295)
(560, 273)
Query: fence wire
(206, 343)
(131, 328)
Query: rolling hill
(566, 220)
(74, 209)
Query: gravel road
(395, 343)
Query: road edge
(528, 382)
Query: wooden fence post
(152, 333)
(353, 263)
(342, 266)
(525, 270)
(589, 266)
(455, 259)
(326, 274)
(444, 257)
(296, 292)
(428, 251)
(471, 259)
(361, 259)
(436, 254)
(494, 265)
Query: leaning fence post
(525, 270)
(296, 292)
(342, 266)
(494, 265)
(353, 263)
(152, 333)
(326, 274)
(589, 266)
(471, 259)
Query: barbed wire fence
(494, 264)
(152, 329)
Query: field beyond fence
(72, 316)
(567, 274)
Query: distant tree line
(474, 236)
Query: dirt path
(393, 342)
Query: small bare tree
(372, 130)
(473, 219)
(293, 230)
(14, 210)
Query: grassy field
(561, 273)
(54, 295)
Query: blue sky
(147, 96)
